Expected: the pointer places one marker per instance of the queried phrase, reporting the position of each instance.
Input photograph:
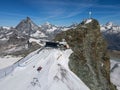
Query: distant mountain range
(111, 33)
(27, 28)
(14, 40)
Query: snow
(9, 33)
(65, 29)
(115, 73)
(6, 27)
(55, 73)
(34, 40)
(51, 29)
(13, 48)
(88, 21)
(110, 28)
(47, 23)
(38, 41)
(102, 28)
(3, 39)
(109, 24)
(38, 34)
(8, 61)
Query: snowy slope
(88, 21)
(115, 73)
(54, 75)
(8, 61)
(6, 27)
(49, 28)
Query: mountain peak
(109, 24)
(28, 19)
(89, 51)
(26, 25)
(26, 22)
(47, 23)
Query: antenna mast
(90, 14)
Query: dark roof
(52, 44)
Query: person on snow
(39, 68)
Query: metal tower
(90, 14)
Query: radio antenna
(90, 14)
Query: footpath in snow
(54, 75)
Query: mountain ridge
(89, 60)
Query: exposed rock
(89, 60)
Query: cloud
(61, 8)
(106, 6)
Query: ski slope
(54, 75)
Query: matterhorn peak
(28, 19)
(26, 25)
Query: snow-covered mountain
(14, 40)
(110, 28)
(29, 28)
(5, 33)
(19, 36)
(24, 29)
(6, 27)
(50, 28)
(54, 74)
(111, 33)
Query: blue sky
(59, 12)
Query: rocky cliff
(89, 60)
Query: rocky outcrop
(89, 60)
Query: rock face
(27, 26)
(89, 60)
